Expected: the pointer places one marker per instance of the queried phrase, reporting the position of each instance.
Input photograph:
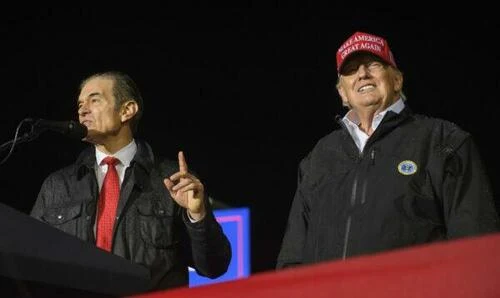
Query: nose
(83, 109)
(363, 70)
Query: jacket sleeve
(210, 248)
(469, 207)
(205, 245)
(38, 208)
(292, 246)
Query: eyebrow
(89, 96)
(94, 94)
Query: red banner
(460, 268)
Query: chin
(93, 137)
(372, 101)
(89, 140)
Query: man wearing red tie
(120, 197)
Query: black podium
(37, 260)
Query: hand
(187, 190)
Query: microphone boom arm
(69, 128)
(26, 137)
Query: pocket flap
(60, 215)
(150, 208)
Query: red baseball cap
(365, 42)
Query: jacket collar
(144, 158)
(397, 118)
(390, 121)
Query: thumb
(168, 184)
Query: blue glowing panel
(235, 223)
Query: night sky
(244, 92)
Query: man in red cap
(386, 178)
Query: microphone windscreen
(76, 130)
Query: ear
(128, 110)
(341, 91)
(398, 81)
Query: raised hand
(187, 190)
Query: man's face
(367, 82)
(97, 111)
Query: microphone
(71, 128)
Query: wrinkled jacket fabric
(150, 229)
(418, 180)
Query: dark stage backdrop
(245, 92)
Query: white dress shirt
(352, 122)
(124, 155)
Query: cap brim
(355, 54)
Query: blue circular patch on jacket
(407, 167)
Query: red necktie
(108, 201)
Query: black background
(244, 91)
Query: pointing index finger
(183, 167)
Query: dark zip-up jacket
(418, 180)
(150, 229)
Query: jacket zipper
(348, 223)
(353, 202)
(365, 181)
(363, 192)
(346, 237)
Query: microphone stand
(26, 137)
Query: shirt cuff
(193, 220)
